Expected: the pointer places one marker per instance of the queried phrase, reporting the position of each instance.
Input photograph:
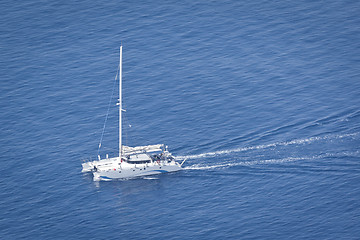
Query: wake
(285, 143)
(245, 163)
(270, 161)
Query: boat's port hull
(89, 166)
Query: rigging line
(126, 123)
(108, 110)
(126, 129)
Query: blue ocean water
(261, 97)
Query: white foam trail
(247, 163)
(286, 143)
(271, 161)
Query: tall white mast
(120, 103)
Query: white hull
(89, 166)
(125, 170)
(133, 165)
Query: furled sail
(140, 149)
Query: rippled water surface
(261, 97)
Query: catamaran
(132, 161)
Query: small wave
(286, 143)
(150, 178)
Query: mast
(120, 103)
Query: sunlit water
(261, 98)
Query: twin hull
(109, 169)
(140, 170)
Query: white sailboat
(132, 161)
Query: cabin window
(139, 162)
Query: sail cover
(141, 149)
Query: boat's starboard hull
(113, 174)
